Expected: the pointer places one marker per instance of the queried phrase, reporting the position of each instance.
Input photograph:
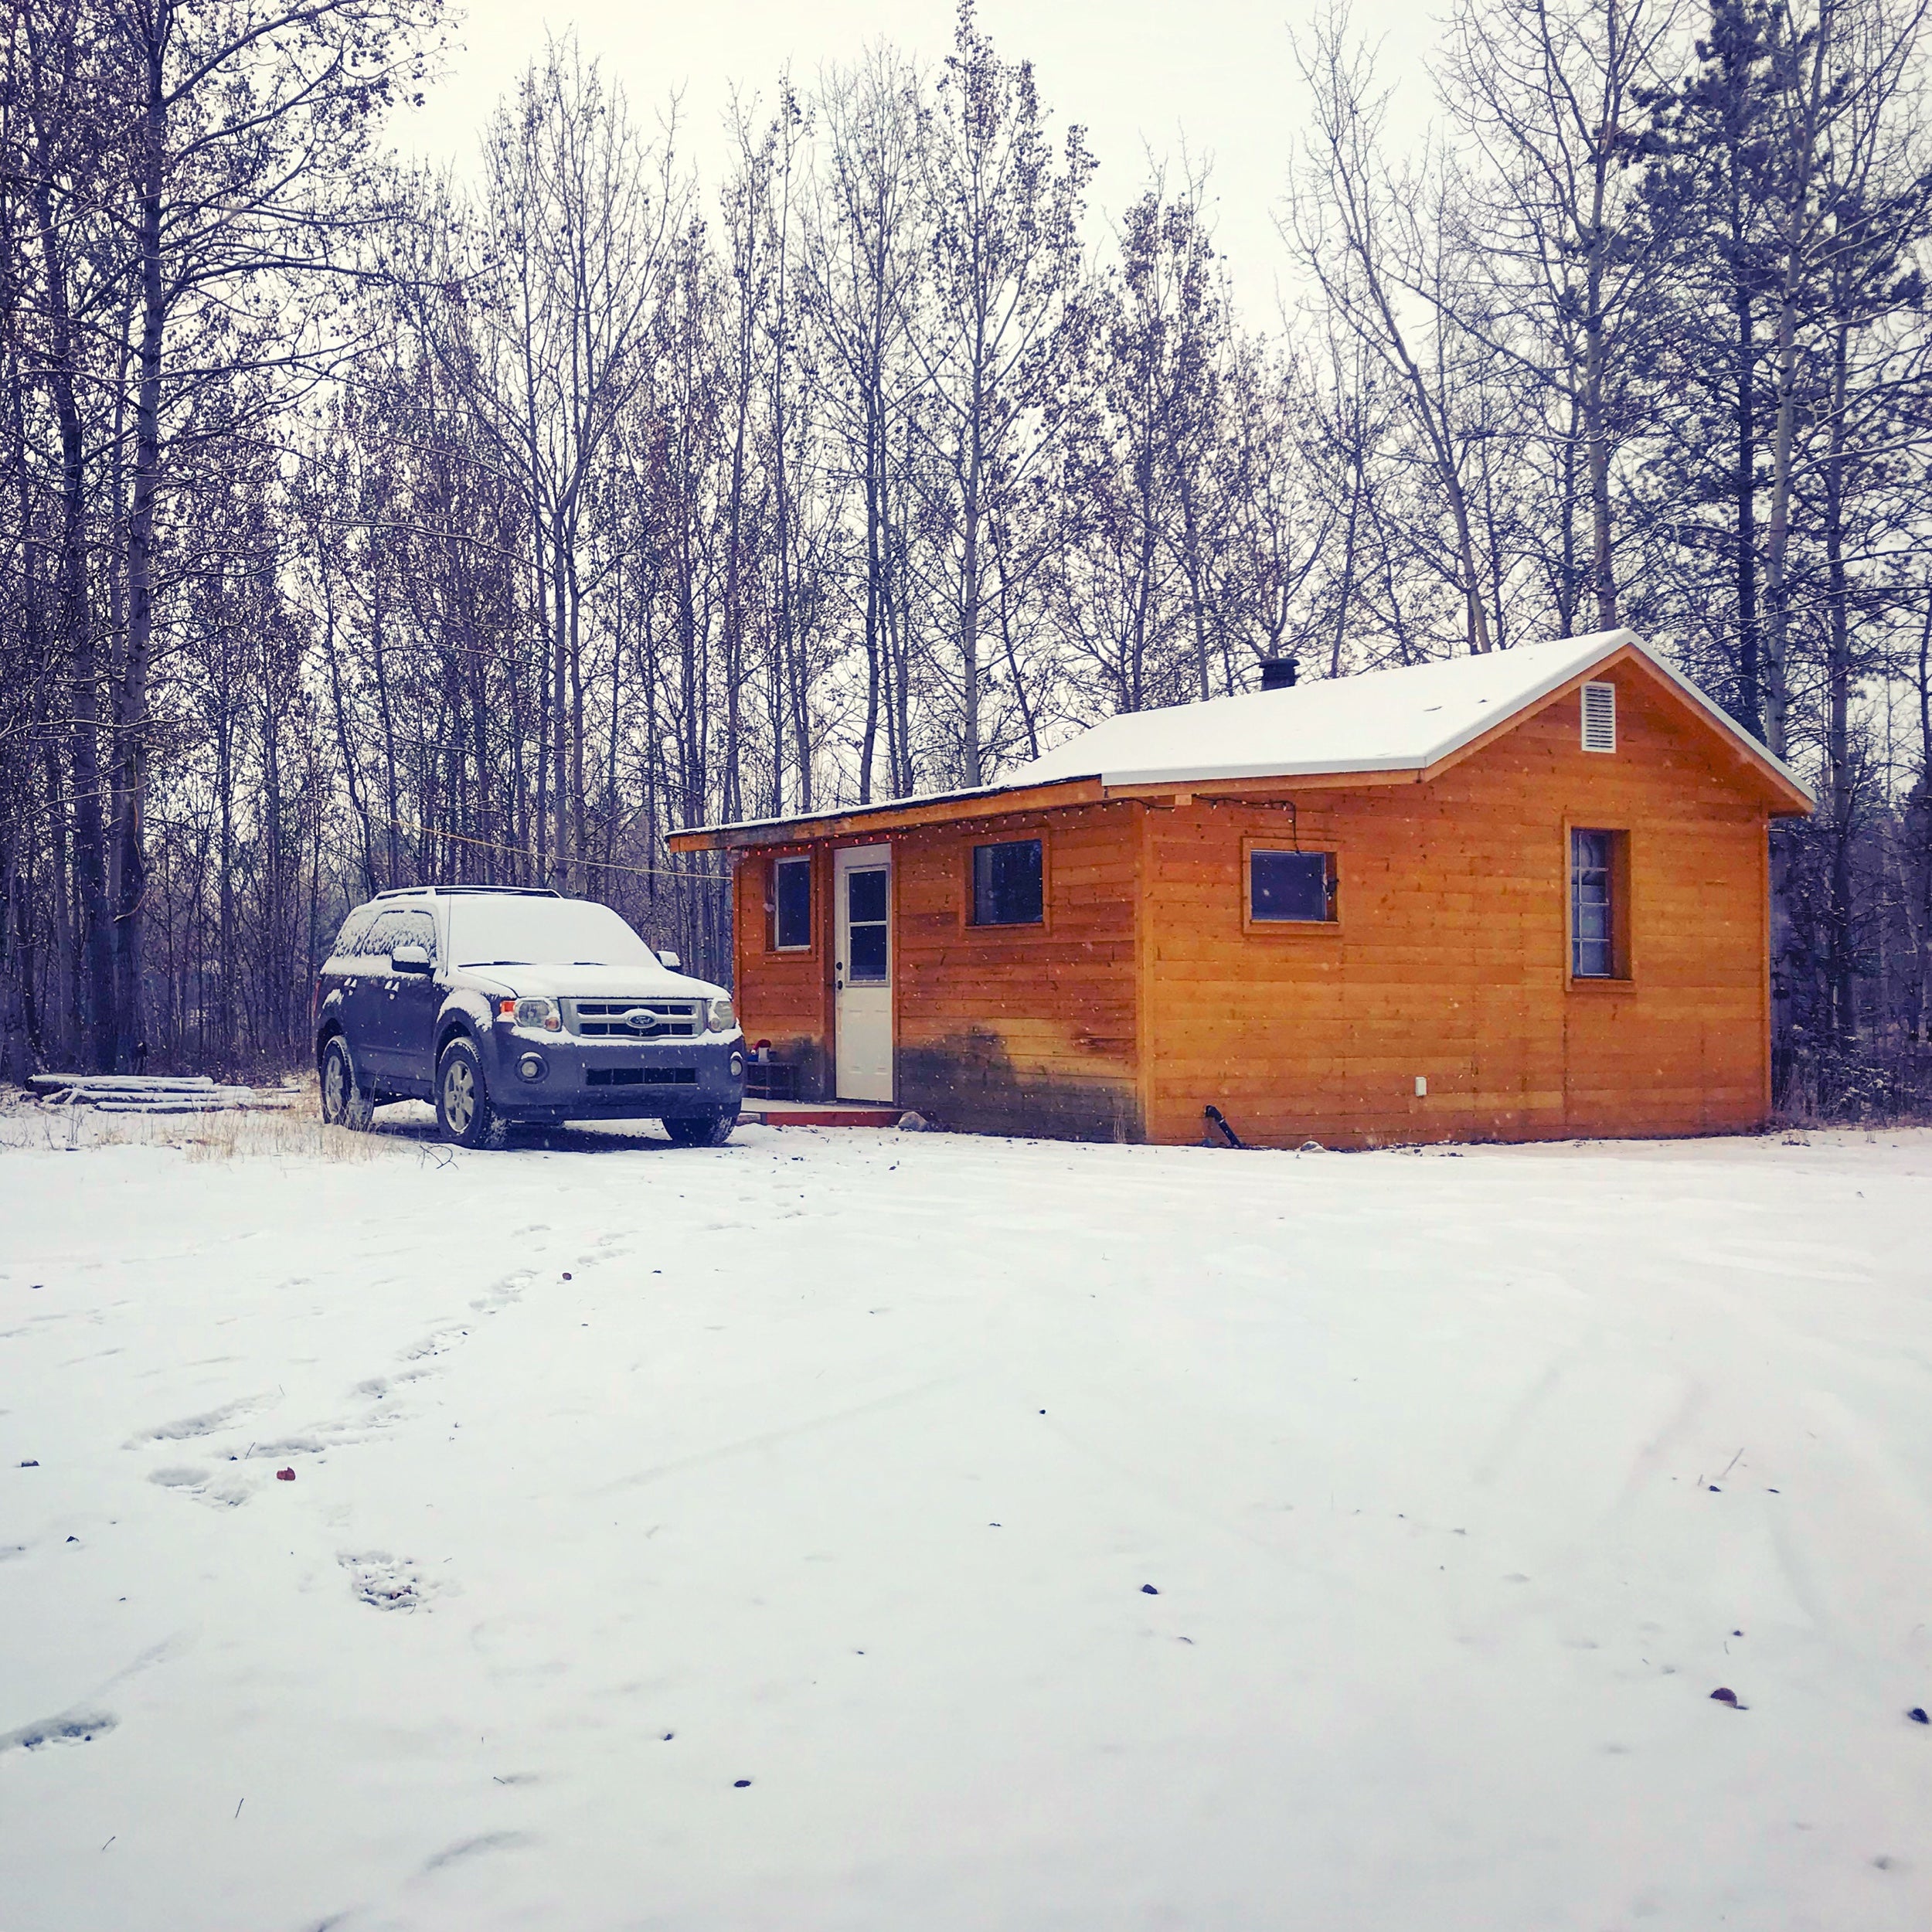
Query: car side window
(417, 929)
(349, 941)
(398, 927)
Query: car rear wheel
(702, 1130)
(344, 1103)
(463, 1108)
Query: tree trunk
(131, 719)
(1837, 746)
(1802, 159)
(76, 631)
(1744, 497)
(971, 773)
(1603, 580)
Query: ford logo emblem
(642, 1020)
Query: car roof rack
(455, 892)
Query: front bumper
(613, 1079)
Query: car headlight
(539, 1012)
(720, 1017)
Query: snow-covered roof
(1405, 719)
(1402, 719)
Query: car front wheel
(463, 1108)
(344, 1103)
(702, 1130)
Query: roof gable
(1410, 723)
(1406, 719)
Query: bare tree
(862, 263)
(1005, 264)
(1567, 252)
(545, 327)
(1373, 243)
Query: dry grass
(300, 1132)
(296, 1131)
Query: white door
(862, 972)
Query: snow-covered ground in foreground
(763, 1538)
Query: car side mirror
(410, 959)
(672, 961)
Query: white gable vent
(1600, 717)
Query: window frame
(773, 864)
(842, 974)
(1622, 978)
(969, 897)
(1258, 842)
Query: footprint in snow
(225, 1492)
(189, 1428)
(469, 1847)
(507, 1292)
(385, 1582)
(432, 1345)
(78, 1726)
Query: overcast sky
(1140, 74)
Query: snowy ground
(762, 1537)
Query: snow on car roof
(1400, 719)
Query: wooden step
(820, 1114)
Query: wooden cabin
(1517, 896)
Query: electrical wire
(519, 852)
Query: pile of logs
(158, 1093)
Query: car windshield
(541, 932)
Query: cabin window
(1009, 883)
(791, 905)
(1287, 888)
(1599, 905)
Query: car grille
(641, 1076)
(606, 1018)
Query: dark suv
(502, 1006)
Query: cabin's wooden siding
(1450, 958)
(1021, 1030)
(785, 997)
(1143, 999)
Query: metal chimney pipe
(1278, 674)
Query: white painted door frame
(864, 960)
